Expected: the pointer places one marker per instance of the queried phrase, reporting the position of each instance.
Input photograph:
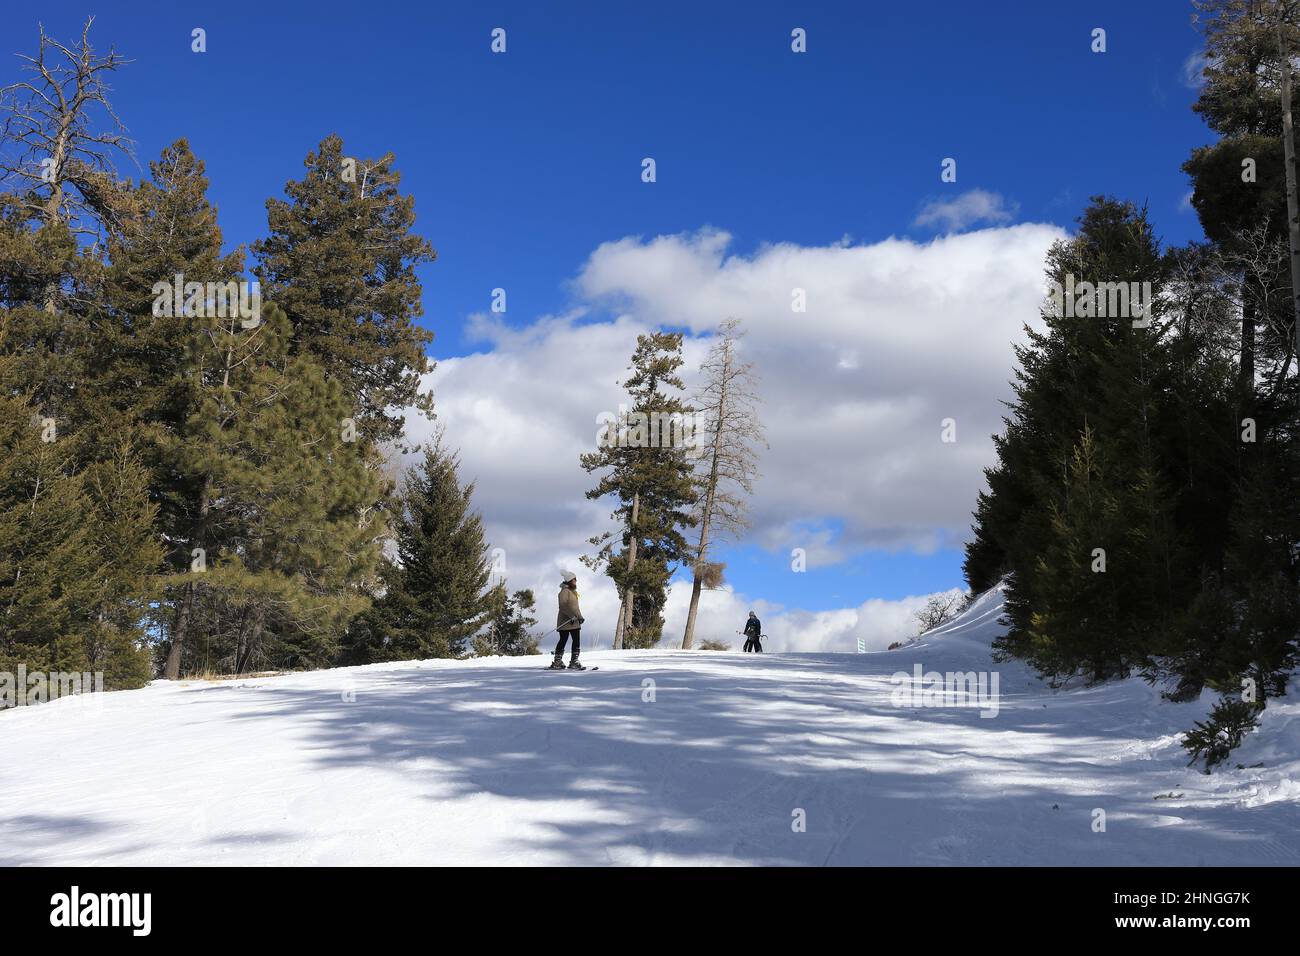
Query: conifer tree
(77, 554)
(59, 197)
(1250, 75)
(1058, 386)
(644, 461)
(508, 623)
(226, 363)
(340, 259)
(156, 363)
(434, 597)
(1093, 378)
(75, 515)
(1098, 595)
(1263, 579)
(147, 352)
(47, 562)
(1246, 196)
(285, 541)
(128, 554)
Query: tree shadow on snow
(728, 755)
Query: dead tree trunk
(710, 493)
(1288, 147)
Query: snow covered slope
(660, 757)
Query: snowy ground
(497, 761)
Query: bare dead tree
(939, 609)
(1266, 261)
(1261, 24)
(1254, 271)
(60, 135)
(728, 462)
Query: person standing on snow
(753, 631)
(569, 623)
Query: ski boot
(574, 665)
(557, 664)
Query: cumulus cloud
(969, 208)
(877, 623)
(897, 336)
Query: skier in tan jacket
(568, 623)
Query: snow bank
(660, 757)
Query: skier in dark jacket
(753, 631)
(569, 623)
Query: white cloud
(876, 622)
(897, 336)
(967, 209)
(1192, 69)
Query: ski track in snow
(493, 762)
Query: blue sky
(522, 164)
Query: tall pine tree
(644, 461)
(435, 592)
(340, 259)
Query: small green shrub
(1215, 738)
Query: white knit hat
(567, 576)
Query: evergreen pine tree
(147, 363)
(1082, 466)
(509, 619)
(646, 464)
(340, 259)
(47, 559)
(128, 554)
(435, 595)
(285, 542)
(77, 554)
(1098, 603)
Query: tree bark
(688, 639)
(54, 203)
(618, 625)
(172, 670)
(629, 593)
(1247, 383)
(1288, 146)
(250, 633)
(710, 494)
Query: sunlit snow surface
(660, 757)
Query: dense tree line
(1143, 502)
(202, 448)
(196, 469)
